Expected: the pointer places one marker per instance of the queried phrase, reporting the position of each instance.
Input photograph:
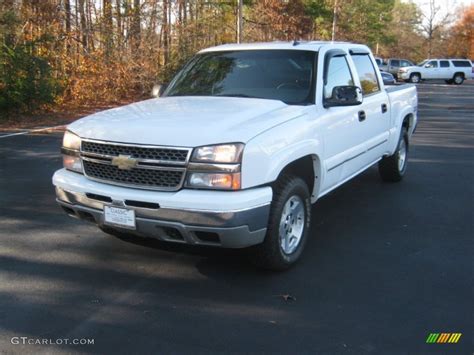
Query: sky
(446, 5)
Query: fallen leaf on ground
(287, 297)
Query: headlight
(71, 141)
(221, 181)
(71, 152)
(216, 167)
(223, 153)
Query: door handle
(384, 108)
(362, 116)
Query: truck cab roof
(293, 45)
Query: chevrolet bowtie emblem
(124, 162)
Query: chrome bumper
(229, 229)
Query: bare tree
(433, 21)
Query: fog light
(72, 163)
(214, 181)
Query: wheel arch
(408, 122)
(307, 167)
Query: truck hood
(186, 121)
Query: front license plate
(119, 217)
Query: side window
(395, 63)
(338, 74)
(367, 74)
(462, 63)
(444, 64)
(432, 64)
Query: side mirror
(346, 95)
(158, 90)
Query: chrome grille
(150, 153)
(157, 168)
(167, 179)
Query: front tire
(415, 78)
(288, 225)
(393, 168)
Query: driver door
(431, 70)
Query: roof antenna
(295, 42)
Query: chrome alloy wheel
(292, 224)
(415, 78)
(402, 155)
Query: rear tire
(415, 78)
(393, 168)
(458, 79)
(288, 225)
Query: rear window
(462, 63)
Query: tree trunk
(82, 19)
(108, 29)
(67, 9)
(165, 32)
(135, 30)
(118, 10)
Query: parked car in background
(453, 71)
(392, 65)
(388, 79)
(378, 61)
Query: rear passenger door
(445, 71)
(394, 65)
(374, 129)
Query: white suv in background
(453, 71)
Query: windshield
(285, 75)
(420, 64)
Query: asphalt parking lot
(386, 264)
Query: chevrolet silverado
(238, 146)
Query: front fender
(268, 154)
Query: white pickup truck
(240, 144)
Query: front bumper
(230, 219)
(403, 75)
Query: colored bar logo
(443, 338)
